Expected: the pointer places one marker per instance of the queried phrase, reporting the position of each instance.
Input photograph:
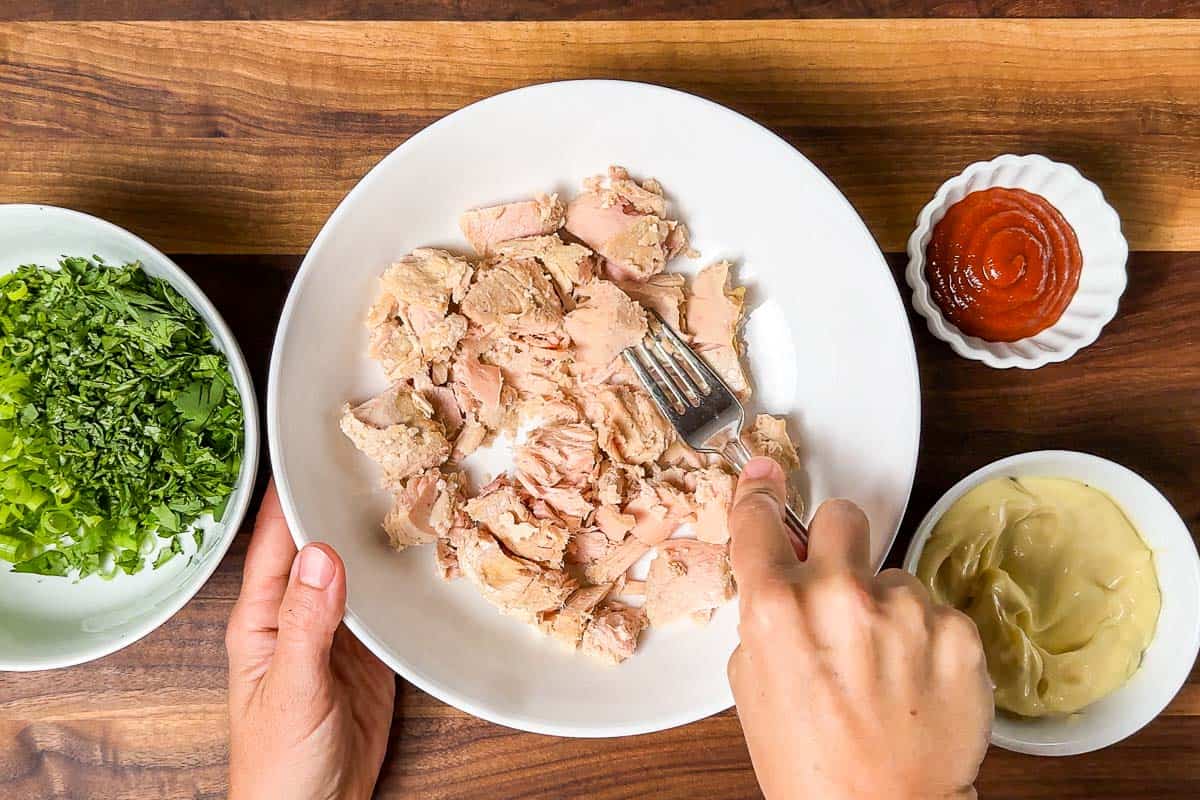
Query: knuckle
(844, 590)
(764, 608)
(960, 632)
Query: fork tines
(670, 370)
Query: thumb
(309, 615)
(759, 544)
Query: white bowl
(829, 345)
(1101, 245)
(1168, 660)
(51, 622)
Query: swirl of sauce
(1003, 264)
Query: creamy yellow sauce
(1060, 584)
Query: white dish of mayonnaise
(1070, 564)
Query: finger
(760, 547)
(268, 563)
(309, 616)
(839, 538)
(250, 634)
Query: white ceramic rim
(973, 347)
(1144, 716)
(235, 514)
(427, 683)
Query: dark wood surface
(229, 145)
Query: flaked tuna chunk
(626, 225)
(446, 560)
(769, 437)
(615, 559)
(427, 279)
(713, 495)
(569, 265)
(617, 482)
(612, 634)
(679, 454)
(514, 297)
(503, 512)
(658, 509)
(533, 369)
(566, 624)
(478, 387)
(487, 227)
(469, 439)
(605, 322)
(438, 336)
(687, 579)
(559, 454)
(629, 427)
(613, 523)
(634, 589)
(518, 587)
(714, 312)
(646, 198)
(424, 509)
(662, 293)
(549, 409)
(556, 463)
(395, 432)
(408, 322)
(442, 401)
(396, 348)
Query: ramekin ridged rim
(1096, 226)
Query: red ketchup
(1003, 264)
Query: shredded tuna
(569, 265)
(502, 511)
(487, 227)
(769, 437)
(625, 224)
(714, 313)
(612, 635)
(514, 297)
(687, 579)
(424, 509)
(714, 495)
(393, 432)
(517, 586)
(567, 624)
(630, 428)
(604, 323)
(662, 293)
(525, 341)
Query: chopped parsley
(120, 425)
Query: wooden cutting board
(225, 132)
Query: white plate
(50, 622)
(1169, 659)
(829, 345)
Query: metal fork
(689, 393)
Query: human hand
(309, 705)
(848, 685)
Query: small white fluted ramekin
(1101, 245)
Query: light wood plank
(241, 137)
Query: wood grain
(150, 720)
(581, 9)
(242, 137)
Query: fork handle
(737, 455)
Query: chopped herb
(120, 425)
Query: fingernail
(316, 569)
(759, 467)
